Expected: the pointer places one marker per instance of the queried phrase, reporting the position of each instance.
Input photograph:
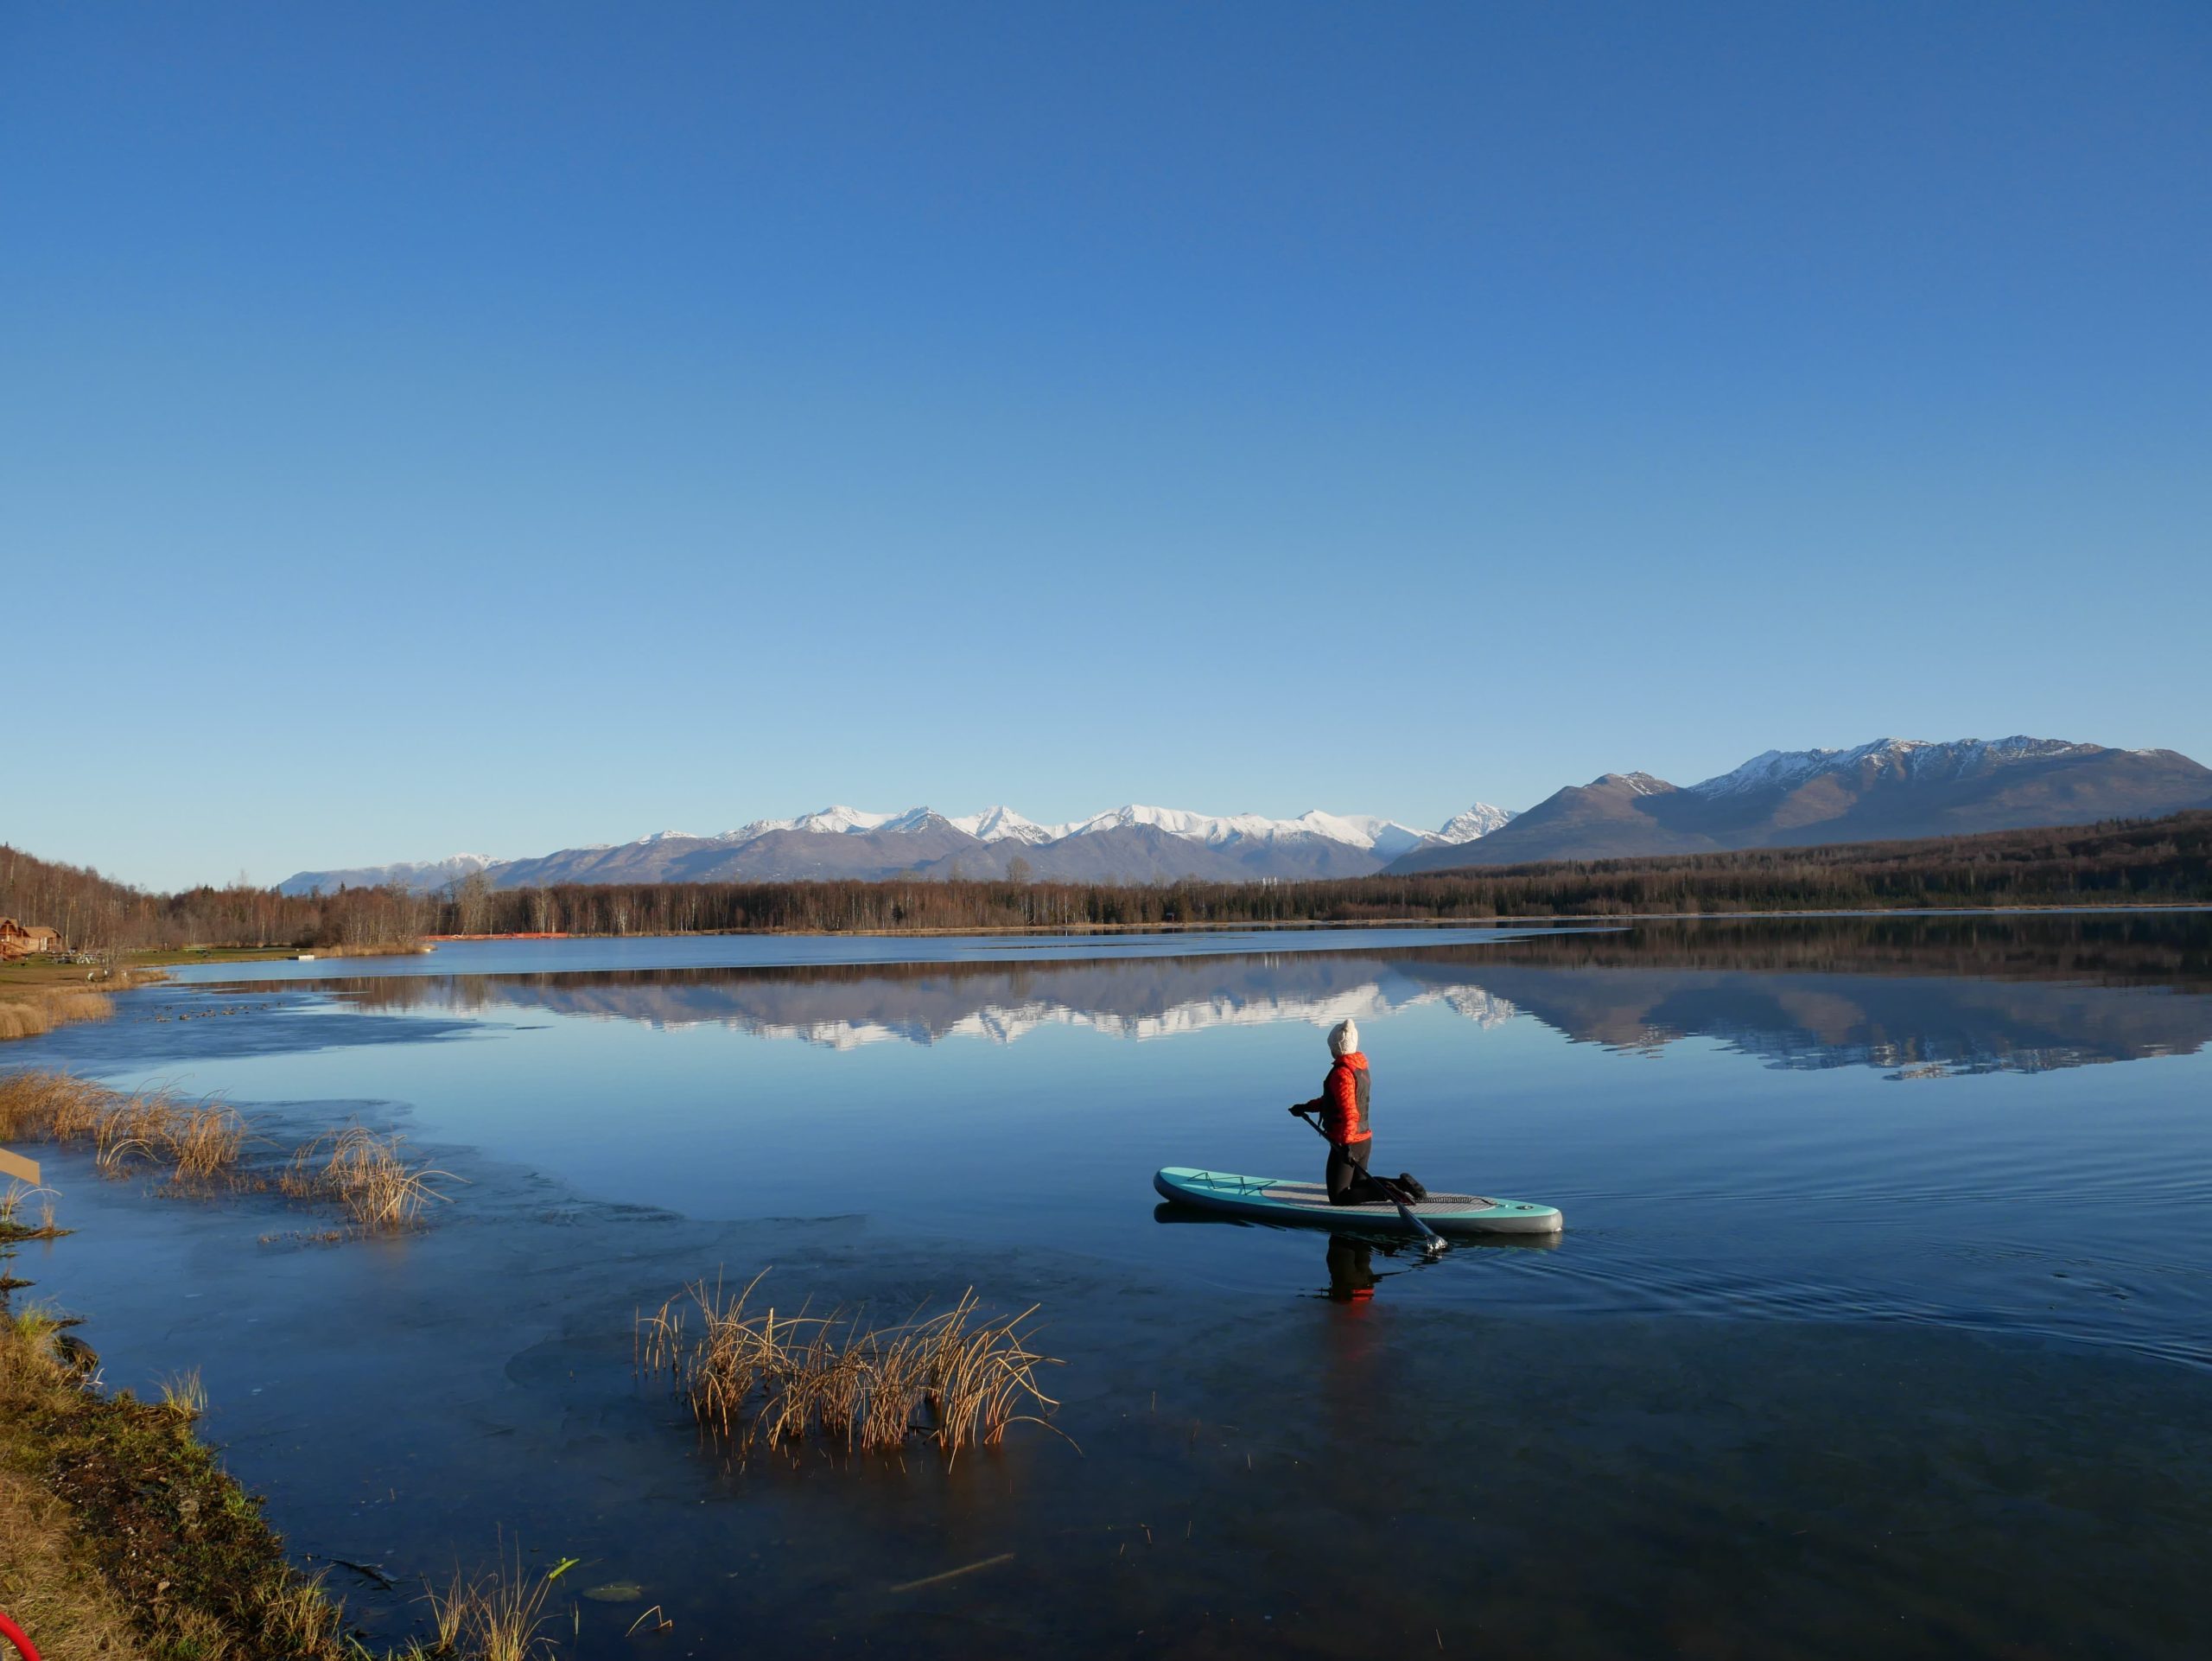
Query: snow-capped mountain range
(1387, 838)
(1893, 787)
(1136, 842)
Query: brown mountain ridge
(1890, 790)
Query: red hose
(15, 1635)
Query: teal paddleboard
(1284, 1199)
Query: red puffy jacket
(1343, 1101)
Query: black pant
(1346, 1186)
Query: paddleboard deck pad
(1283, 1199)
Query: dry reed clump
(950, 1379)
(199, 1141)
(366, 1173)
(37, 1009)
(50, 1107)
(204, 1142)
(495, 1616)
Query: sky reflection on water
(1941, 1182)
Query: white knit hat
(1343, 1038)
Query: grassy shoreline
(122, 1536)
(38, 994)
(174, 956)
(120, 1532)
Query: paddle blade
(1430, 1239)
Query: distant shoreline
(2120, 866)
(1340, 925)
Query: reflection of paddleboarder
(1343, 1107)
(1351, 1269)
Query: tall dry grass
(367, 1174)
(495, 1616)
(54, 1588)
(954, 1378)
(204, 1143)
(193, 1141)
(300, 1618)
(57, 1107)
(30, 1010)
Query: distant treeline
(2157, 861)
(97, 913)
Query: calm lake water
(1882, 1315)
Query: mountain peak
(1478, 820)
(999, 823)
(1904, 758)
(1891, 789)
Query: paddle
(1431, 1240)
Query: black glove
(1298, 1109)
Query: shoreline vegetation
(123, 1536)
(955, 1378)
(33, 1011)
(201, 1146)
(2152, 862)
(120, 1533)
(40, 994)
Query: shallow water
(1884, 1313)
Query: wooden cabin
(22, 939)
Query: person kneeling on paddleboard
(1343, 1107)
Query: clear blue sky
(426, 428)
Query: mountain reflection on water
(1918, 997)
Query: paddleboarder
(1342, 1105)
